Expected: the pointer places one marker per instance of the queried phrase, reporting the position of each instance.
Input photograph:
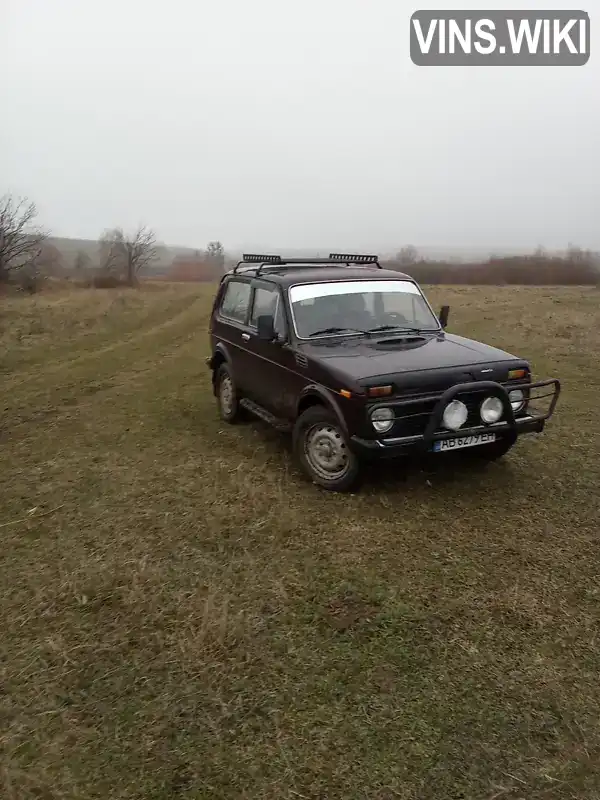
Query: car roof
(289, 275)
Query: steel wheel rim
(226, 394)
(326, 451)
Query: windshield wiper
(400, 328)
(336, 330)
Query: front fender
(328, 399)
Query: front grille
(412, 420)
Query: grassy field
(183, 616)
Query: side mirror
(444, 313)
(266, 327)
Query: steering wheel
(396, 318)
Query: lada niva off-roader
(351, 358)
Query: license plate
(463, 441)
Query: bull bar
(508, 425)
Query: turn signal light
(379, 391)
(516, 373)
(345, 393)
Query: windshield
(329, 309)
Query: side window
(265, 301)
(268, 301)
(236, 300)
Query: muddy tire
(323, 452)
(228, 399)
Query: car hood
(362, 358)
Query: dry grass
(196, 621)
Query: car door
(273, 367)
(230, 326)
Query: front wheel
(322, 450)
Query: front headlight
(491, 410)
(382, 419)
(455, 415)
(517, 399)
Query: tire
(494, 451)
(322, 449)
(228, 399)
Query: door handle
(245, 336)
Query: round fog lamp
(455, 415)
(491, 410)
(382, 419)
(517, 399)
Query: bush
(105, 280)
(29, 281)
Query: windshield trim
(346, 334)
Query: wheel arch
(220, 356)
(315, 395)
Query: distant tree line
(576, 267)
(201, 265)
(28, 256)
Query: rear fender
(220, 356)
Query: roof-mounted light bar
(253, 258)
(279, 262)
(354, 258)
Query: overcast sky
(290, 124)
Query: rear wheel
(323, 452)
(227, 395)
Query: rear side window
(236, 300)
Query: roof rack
(277, 262)
(254, 258)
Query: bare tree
(111, 248)
(215, 256)
(21, 240)
(127, 254)
(408, 256)
(141, 251)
